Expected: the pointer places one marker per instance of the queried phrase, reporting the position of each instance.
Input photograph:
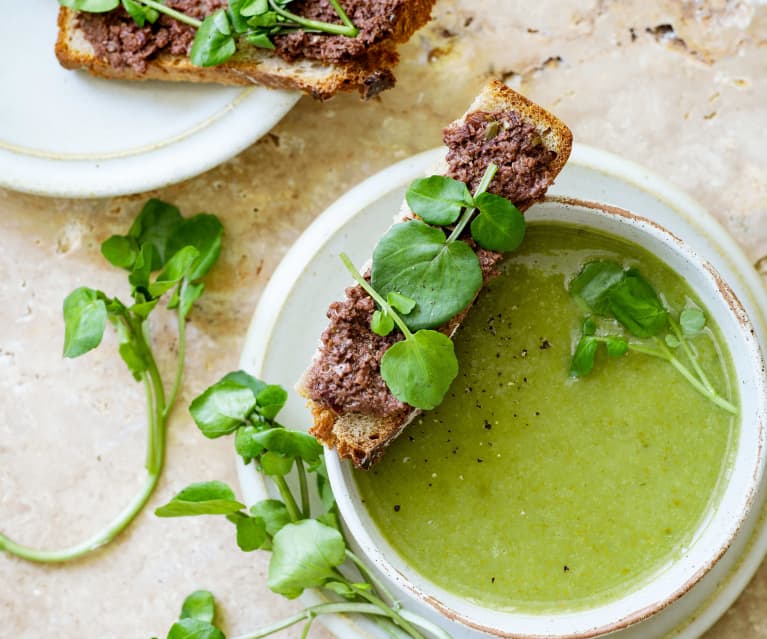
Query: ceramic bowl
(291, 315)
(728, 509)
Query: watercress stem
(305, 506)
(181, 17)
(347, 29)
(315, 611)
(92, 543)
(385, 306)
(394, 615)
(287, 497)
(342, 14)
(490, 172)
(694, 382)
(181, 323)
(307, 626)
(690, 355)
(366, 572)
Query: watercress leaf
(692, 321)
(254, 7)
(85, 318)
(133, 359)
(270, 400)
(155, 225)
(635, 304)
(203, 232)
(213, 43)
(589, 326)
(194, 629)
(204, 498)
(414, 259)
(593, 284)
(199, 605)
(341, 589)
(120, 251)
(143, 309)
(260, 40)
(499, 226)
(583, 358)
(234, 11)
(189, 295)
(142, 268)
(274, 514)
(381, 323)
(329, 519)
(672, 341)
(251, 531)
(438, 199)
(244, 443)
(616, 346)
(139, 12)
(275, 464)
(91, 6)
(174, 271)
(400, 302)
(419, 370)
(222, 408)
(327, 497)
(289, 443)
(247, 381)
(304, 555)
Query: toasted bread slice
(369, 75)
(364, 437)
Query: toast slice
(369, 74)
(362, 435)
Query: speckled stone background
(678, 86)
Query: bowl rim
(707, 603)
(469, 614)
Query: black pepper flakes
(567, 569)
(488, 425)
(396, 510)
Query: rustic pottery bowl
(691, 591)
(729, 508)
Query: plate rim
(321, 230)
(223, 130)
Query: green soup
(531, 490)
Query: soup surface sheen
(529, 490)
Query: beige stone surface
(678, 86)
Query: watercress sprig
(419, 369)
(440, 272)
(183, 250)
(220, 34)
(423, 275)
(301, 530)
(606, 289)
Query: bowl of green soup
(585, 471)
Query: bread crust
(364, 438)
(369, 75)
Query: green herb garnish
(220, 34)
(424, 275)
(440, 272)
(182, 250)
(301, 530)
(608, 290)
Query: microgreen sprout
(301, 529)
(606, 289)
(183, 251)
(220, 34)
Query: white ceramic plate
(291, 315)
(68, 134)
